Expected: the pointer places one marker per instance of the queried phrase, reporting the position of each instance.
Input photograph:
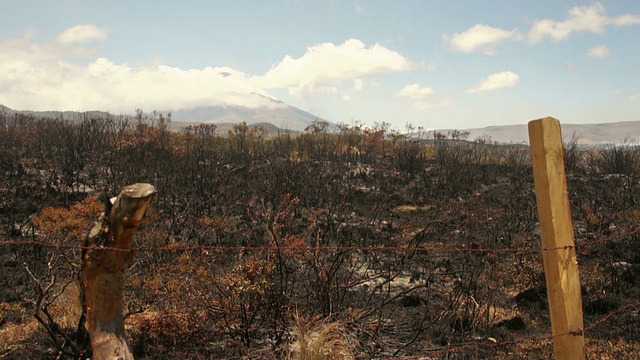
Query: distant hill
(67, 115)
(586, 134)
(280, 115)
(283, 117)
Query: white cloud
(590, 18)
(495, 81)
(634, 97)
(82, 33)
(598, 51)
(623, 20)
(359, 9)
(327, 66)
(38, 76)
(358, 85)
(23, 49)
(480, 37)
(419, 95)
(414, 92)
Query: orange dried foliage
(59, 223)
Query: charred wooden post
(105, 257)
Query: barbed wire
(610, 315)
(483, 343)
(241, 248)
(176, 247)
(608, 239)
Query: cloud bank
(324, 67)
(580, 19)
(40, 76)
(591, 19)
(64, 73)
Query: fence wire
(382, 248)
(427, 353)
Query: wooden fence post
(556, 232)
(104, 260)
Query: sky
(428, 63)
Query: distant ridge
(66, 115)
(585, 134)
(280, 115)
(289, 118)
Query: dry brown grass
(66, 308)
(21, 334)
(411, 208)
(319, 339)
(17, 327)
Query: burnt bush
(411, 241)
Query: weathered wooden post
(556, 232)
(104, 260)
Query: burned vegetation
(354, 243)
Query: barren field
(365, 244)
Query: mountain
(279, 114)
(283, 116)
(271, 110)
(586, 134)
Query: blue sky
(435, 64)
